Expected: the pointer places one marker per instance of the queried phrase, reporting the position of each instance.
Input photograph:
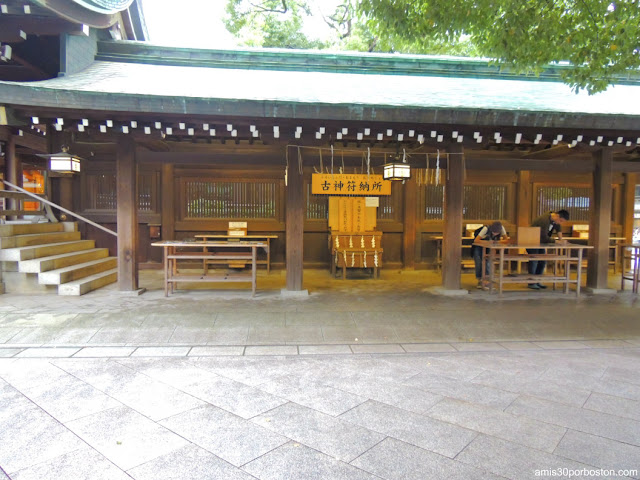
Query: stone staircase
(45, 257)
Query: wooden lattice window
(390, 206)
(230, 199)
(102, 192)
(480, 202)
(432, 201)
(147, 191)
(575, 200)
(317, 206)
(484, 202)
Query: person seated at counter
(494, 232)
(549, 224)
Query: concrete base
(70, 226)
(440, 290)
(599, 291)
(294, 293)
(133, 293)
(25, 283)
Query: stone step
(85, 285)
(36, 251)
(9, 229)
(77, 272)
(44, 264)
(38, 239)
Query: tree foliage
(271, 23)
(598, 39)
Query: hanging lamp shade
(63, 162)
(396, 171)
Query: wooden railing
(18, 210)
(22, 194)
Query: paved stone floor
(360, 379)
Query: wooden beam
(34, 142)
(168, 203)
(548, 153)
(524, 192)
(452, 235)
(560, 165)
(600, 224)
(127, 215)
(631, 167)
(295, 227)
(10, 27)
(409, 234)
(27, 140)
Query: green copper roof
(193, 88)
(325, 61)
(340, 88)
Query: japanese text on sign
(346, 184)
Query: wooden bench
(231, 238)
(208, 253)
(558, 253)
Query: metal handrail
(69, 212)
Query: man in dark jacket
(494, 232)
(549, 224)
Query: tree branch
(262, 8)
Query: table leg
(268, 255)
(567, 269)
(166, 271)
(173, 265)
(483, 265)
(579, 273)
(501, 270)
(254, 254)
(636, 269)
(204, 262)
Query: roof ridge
(326, 61)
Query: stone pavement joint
(163, 350)
(481, 414)
(360, 380)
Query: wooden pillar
(600, 223)
(12, 172)
(295, 228)
(127, 213)
(452, 235)
(66, 193)
(628, 201)
(523, 204)
(168, 203)
(62, 187)
(409, 229)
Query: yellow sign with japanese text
(349, 184)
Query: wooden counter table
(615, 244)
(217, 251)
(555, 254)
(467, 261)
(631, 254)
(266, 238)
